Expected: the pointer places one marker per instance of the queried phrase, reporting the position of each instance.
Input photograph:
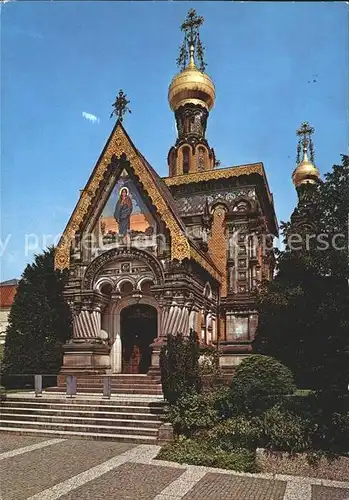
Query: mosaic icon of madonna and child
(125, 212)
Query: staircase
(134, 419)
(120, 384)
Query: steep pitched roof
(118, 144)
(14, 281)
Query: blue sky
(60, 59)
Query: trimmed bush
(258, 383)
(199, 452)
(237, 432)
(193, 412)
(179, 365)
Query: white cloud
(90, 117)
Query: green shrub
(2, 393)
(237, 432)
(209, 369)
(199, 452)
(327, 418)
(223, 402)
(179, 365)
(258, 384)
(330, 433)
(192, 412)
(284, 431)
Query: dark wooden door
(138, 330)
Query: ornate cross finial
(190, 27)
(120, 106)
(304, 133)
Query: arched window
(126, 288)
(146, 287)
(201, 159)
(106, 289)
(185, 153)
(172, 163)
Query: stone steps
(52, 419)
(130, 420)
(36, 405)
(53, 401)
(120, 384)
(82, 427)
(80, 435)
(77, 414)
(98, 390)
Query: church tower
(191, 96)
(306, 178)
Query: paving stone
(25, 475)
(328, 493)
(129, 481)
(9, 442)
(231, 487)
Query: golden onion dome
(191, 86)
(305, 172)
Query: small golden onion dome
(305, 172)
(191, 86)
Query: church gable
(125, 208)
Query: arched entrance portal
(138, 330)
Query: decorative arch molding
(121, 304)
(111, 322)
(103, 281)
(124, 280)
(144, 279)
(115, 253)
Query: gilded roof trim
(219, 173)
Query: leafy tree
(39, 321)
(334, 220)
(304, 312)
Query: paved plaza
(48, 469)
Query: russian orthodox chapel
(150, 256)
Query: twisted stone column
(87, 324)
(87, 316)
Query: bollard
(38, 385)
(107, 387)
(71, 385)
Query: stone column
(176, 318)
(87, 352)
